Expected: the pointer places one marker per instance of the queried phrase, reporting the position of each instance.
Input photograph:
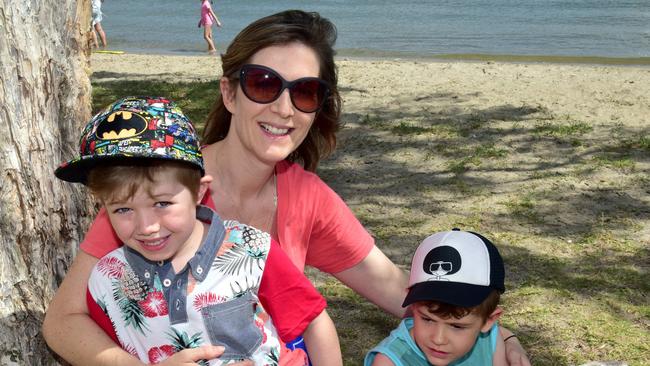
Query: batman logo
(120, 125)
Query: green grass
(473, 157)
(563, 129)
(194, 98)
(571, 219)
(621, 162)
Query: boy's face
(159, 220)
(444, 340)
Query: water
(584, 28)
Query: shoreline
(372, 55)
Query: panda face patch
(121, 125)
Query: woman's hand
(515, 352)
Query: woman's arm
(379, 280)
(322, 341)
(68, 329)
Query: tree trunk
(44, 101)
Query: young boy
(454, 288)
(185, 278)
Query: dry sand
(589, 93)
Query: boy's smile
(159, 220)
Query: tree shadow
(19, 348)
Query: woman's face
(272, 131)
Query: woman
(279, 106)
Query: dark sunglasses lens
(308, 95)
(261, 86)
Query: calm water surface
(587, 28)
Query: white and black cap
(455, 267)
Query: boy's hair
(134, 130)
(455, 267)
(120, 182)
(445, 310)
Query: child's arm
(381, 360)
(499, 357)
(216, 19)
(322, 341)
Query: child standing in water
(207, 18)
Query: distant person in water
(96, 24)
(207, 18)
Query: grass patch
(562, 130)
(642, 143)
(474, 158)
(565, 132)
(405, 128)
(194, 98)
(523, 207)
(616, 161)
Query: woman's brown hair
(283, 28)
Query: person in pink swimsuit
(207, 18)
(276, 116)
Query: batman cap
(134, 128)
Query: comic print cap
(455, 267)
(134, 128)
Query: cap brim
(454, 293)
(76, 171)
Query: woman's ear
(228, 93)
(204, 184)
(489, 322)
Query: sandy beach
(550, 160)
(592, 93)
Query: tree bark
(44, 101)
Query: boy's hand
(190, 356)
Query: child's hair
(445, 310)
(120, 182)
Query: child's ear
(204, 184)
(489, 322)
(227, 93)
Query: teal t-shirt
(400, 348)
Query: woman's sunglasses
(263, 85)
